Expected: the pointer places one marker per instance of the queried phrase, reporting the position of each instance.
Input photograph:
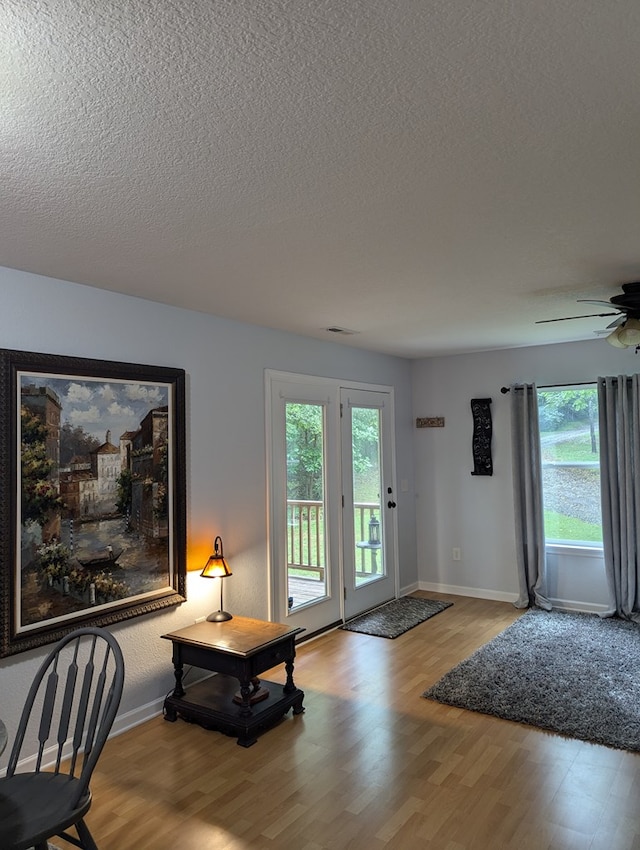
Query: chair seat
(36, 806)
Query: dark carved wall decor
(482, 431)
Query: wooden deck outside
(305, 590)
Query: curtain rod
(504, 390)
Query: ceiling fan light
(629, 332)
(614, 340)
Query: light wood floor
(371, 765)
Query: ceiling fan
(626, 309)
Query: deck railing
(305, 534)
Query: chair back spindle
(75, 696)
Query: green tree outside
(305, 451)
(305, 448)
(561, 409)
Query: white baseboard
(122, 723)
(136, 716)
(581, 607)
(473, 592)
(476, 593)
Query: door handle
(391, 504)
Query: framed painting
(92, 494)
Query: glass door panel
(306, 539)
(367, 487)
(306, 590)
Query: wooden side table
(239, 649)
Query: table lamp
(217, 567)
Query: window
(570, 465)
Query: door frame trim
(335, 385)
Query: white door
(331, 530)
(369, 504)
(305, 503)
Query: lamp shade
(216, 566)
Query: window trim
(579, 550)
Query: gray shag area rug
(574, 674)
(396, 617)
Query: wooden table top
(239, 636)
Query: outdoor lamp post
(374, 529)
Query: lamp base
(219, 617)
(257, 694)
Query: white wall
(475, 513)
(225, 363)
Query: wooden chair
(65, 722)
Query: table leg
(289, 687)
(178, 672)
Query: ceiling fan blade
(617, 322)
(567, 318)
(601, 303)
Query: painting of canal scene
(96, 518)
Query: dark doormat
(396, 617)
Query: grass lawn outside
(577, 448)
(570, 529)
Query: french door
(332, 551)
(367, 487)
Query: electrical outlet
(456, 553)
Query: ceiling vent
(334, 329)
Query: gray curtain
(527, 497)
(619, 412)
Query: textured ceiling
(434, 175)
